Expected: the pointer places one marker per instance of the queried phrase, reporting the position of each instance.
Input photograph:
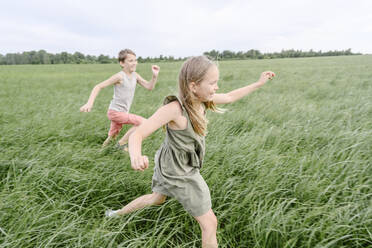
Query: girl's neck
(126, 71)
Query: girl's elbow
(98, 87)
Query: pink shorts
(118, 119)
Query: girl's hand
(86, 108)
(155, 70)
(140, 163)
(266, 75)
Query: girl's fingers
(140, 163)
(136, 164)
(269, 74)
(146, 162)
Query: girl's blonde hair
(194, 70)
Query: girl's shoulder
(174, 107)
(172, 98)
(177, 103)
(173, 103)
(119, 75)
(117, 78)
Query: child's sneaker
(122, 147)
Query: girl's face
(130, 63)
(208, 87)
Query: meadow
(289, 165)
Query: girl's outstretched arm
(164, 115)
(237, 94)
(149, 85)
(112, 80)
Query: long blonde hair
(194, 70)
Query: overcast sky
(184, 28)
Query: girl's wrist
(134, 155)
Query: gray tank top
(124, 93)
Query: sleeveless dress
(177, 165)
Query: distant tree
(66, 58)
(240, 55)
(26, 58)
(91, 59)
(227, 54)
(44, 57)
(103, 59)
(253, 54)
(78, 58)
(212, 54)
(35, 58)
(2, 60)
(57, 59)
(10, 59)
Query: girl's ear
(192, 87)
(121, 63)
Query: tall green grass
(287, 166)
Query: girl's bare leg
(208, 225)
(141, 202)
(108, 140)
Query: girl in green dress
(180, 157)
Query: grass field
(288, 166)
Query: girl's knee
(208, 221)
(157, 199)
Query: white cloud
(183, 28)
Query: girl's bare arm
(164, 115)
(149, 85)
(237, 94)
(112, 80)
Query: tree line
(43, 57)
(256, 54)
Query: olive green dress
(177, 165)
